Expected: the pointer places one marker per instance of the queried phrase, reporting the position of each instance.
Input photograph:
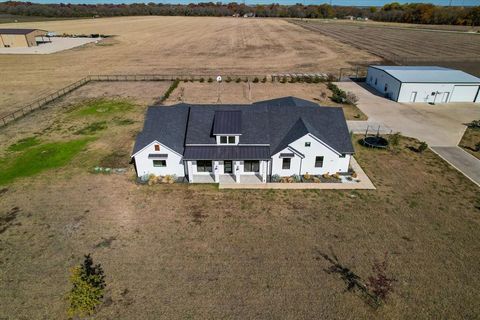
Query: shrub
(394, 139)
(246, 80)
(475, 124)
(202, 80)
(228, 80)
(283, 80)
(170, 90)
(292, 80)
(379, 283)
(264, 79)
(88, 282)
(422, 147)
(255, 80)
(331, 77)
(351, 98)
(316, 79)
(275, 178)
(307, 176)
(338, 95)
(296, 178)
(238, 80)
(210, 80)
(185, 80)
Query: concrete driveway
(440, 125)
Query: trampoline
(375, 142)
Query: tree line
(421, 13)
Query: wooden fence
(39, 103)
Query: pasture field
(163, 45)
(403, 45)
(193, 251)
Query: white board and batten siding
(144, 163)
(332, 161)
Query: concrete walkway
(363, 184)
(441, 125)
(461, 160)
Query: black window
(342, 155)
(223, 139)
(319, 162)
(159, 163)
(386, 87)
(204, 166)
(307, 144)
(231, 139)
(251, 166)
(376, 81)
(286, 163)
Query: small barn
(426, 84)
(14, 38)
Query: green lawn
(39, 158)
(23, 144)
(100, 107)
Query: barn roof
(428, 74)
(18, 31)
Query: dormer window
(227, 140)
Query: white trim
(156, 141)
(326, 145)
(298, 153)
(217, 145)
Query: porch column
(264, 171)
(237, 171)
(190, 171)
(216, 171)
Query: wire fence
(45, 100)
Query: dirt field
(406, 45)
(246, 93)
(178, 251)
(172, 44)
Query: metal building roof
(428, 74)
(227, 153)
(227, 122)
(18, 31)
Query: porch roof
(227, 153)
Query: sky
(334, 2)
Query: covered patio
(228, 178)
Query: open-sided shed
(14, 38)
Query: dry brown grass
(246, 93)
(171, 44)
(470, 139)
(192, 251)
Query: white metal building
(427, 84)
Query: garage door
(464, 93)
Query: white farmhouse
(424, 84)
(203, 143)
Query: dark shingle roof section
(227, 122)
(167, 125)
(227, 153)
(270, 125)
(18, 31)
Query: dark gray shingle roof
(167, 125)
(227, 122)
(275, 123)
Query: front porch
(228, 178)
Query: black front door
(227, 166)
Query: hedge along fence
(39, 103)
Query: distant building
(426, 84)
(14, 38)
